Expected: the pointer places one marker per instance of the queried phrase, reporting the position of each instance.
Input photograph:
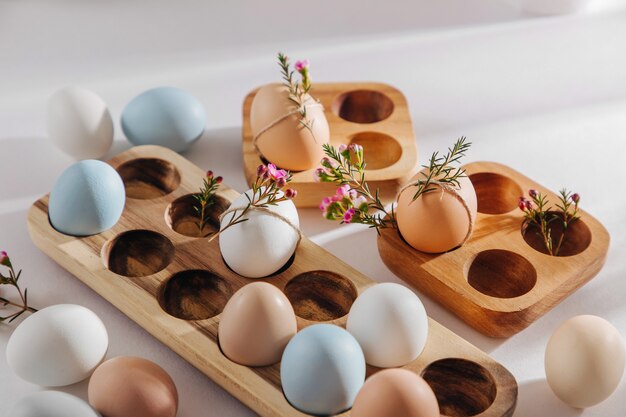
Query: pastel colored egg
(390, 323)
(437, 221)
(287, 143)
(58, 345)
(584, 361)
(164, 116)
(79, 123)
(128, 386)
(88, 198)
(394, 393)
(322, 370)
(50, 404)
(256, 325)
(264, 243)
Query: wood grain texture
(373, 115)
(497, 282)
(180, 304)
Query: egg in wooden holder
(157, 267)
(500, 280)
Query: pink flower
(4, 259)
(325, 203)
(532, 193)
(219, 180)
(349, 215)
(359, 201)
(529, 205)
(281, 182)
(522, 205)
(319, 174)
(291, 193)
(342, 148)
(575, 198)
(261, 169)
(302, 65)
(209, 174)
(356, 148)
(343, 190)
(276, 173)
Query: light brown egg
(256, 325)
(288, 144)
(128, 386)
(393, 393)
(437, 221)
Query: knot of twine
(266, 211)
(447, 188)
(294, 110)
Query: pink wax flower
(261, 169)
(575, 198)
(532, 193)
(343, 191)
(276, 173)
(291, 193)
(342, 148)
(302, 65)
(4, 259)
(356, 148)
(349, 215)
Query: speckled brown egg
(288, 144)
(128, 386)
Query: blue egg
(322, 370)
(88, 198)
(164, 116)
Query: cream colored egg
(287, 143)
(436, 221)
(585, 361)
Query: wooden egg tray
(175, 286)
(374, 115)
(500, 282)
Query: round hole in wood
(380, 150)
(502, 274)
(577, 236)
(182, 216)
(195, 295)
(496, 194)
(463, 388)
(147, 178)
(363, 106)
(321, 295)
(138, 253)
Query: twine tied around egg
(266, 211)
(447, 188)
(294, 110)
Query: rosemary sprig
(440, 168)
(297, 90)
(12, 279)
(205, 198)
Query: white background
(546, 96)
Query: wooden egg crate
(175, 286)
(500, 281)
(374, 115)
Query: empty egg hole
(502, 274)
(380, 150)
(496, 194)
(321, 295)
(575, 239)
(363, 106)
(194, 295)
(138, 253)
(184, 216)
(463, 388)
(147, 178)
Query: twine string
(269, 212)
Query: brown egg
(288, 144)
(256, 325)
(437, 221)
(127, 386)
(393, 393)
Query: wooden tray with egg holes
(374, 115)
(175, 286)
(501, 281)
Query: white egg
(59, 345)
(51, 404)
(79, 123)
(261, 245)
(390, 323)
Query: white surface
(546, 96)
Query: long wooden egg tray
(175, 286)
(500, 281)
(374, 115)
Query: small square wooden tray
(156, 268)
(497, 282)
(374, 115)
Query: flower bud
(302, 65)
(529, 205)
(342, 148)
(209, 174)
(532, 193)
(291, 193)
(4, 259)
(356, 148)
(219, 180)
(261, 169)
(575, 198)
(281, 182)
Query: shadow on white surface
(535, 399)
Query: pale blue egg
(164, 116)
(322, 370)
(88, 198)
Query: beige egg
(585, 361)
(256, 325)
(393, 393)
(127, 386)
(288, 144)
(437, 221)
